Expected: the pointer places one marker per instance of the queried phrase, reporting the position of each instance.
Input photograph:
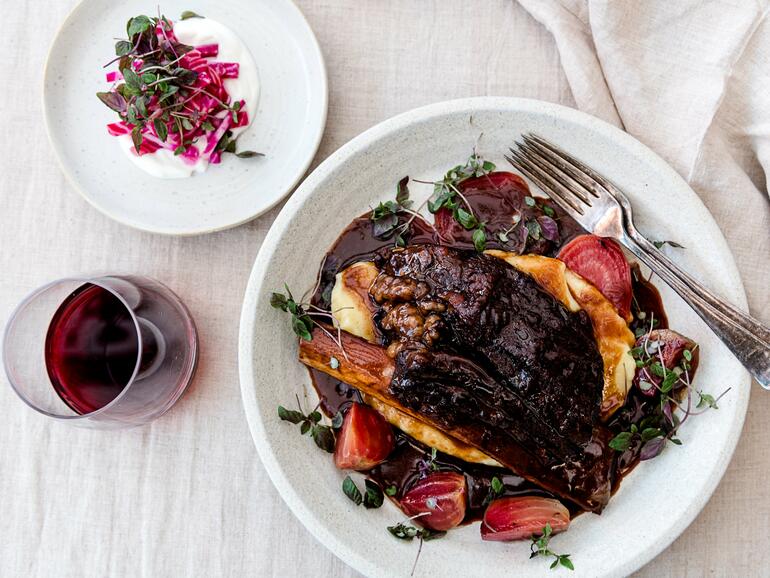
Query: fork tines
(568, 181)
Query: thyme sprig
(407, 532)
(539, 547)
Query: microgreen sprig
(407, 532)
(496, 489)
(323, 435)
(155, 88)
(652, 432)
(447, 195)
(539, 547)
(301, 323)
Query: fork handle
(747, 338)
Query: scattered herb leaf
(373, 497)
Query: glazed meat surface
(480, 343)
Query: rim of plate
(317, 54)
(317, 527)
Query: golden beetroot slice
(365, 440)
(521, 517)
(441, 499)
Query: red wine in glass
(91, 348)
(106, 352)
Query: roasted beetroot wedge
(601, 261)
(521, 517)
(440, 497)
(365, 440)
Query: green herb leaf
(187, 14)
(650, 433)
(136, 137)
(290, 415)
(659, 244)
(302, 326)
(539, 547)
(131, 78)
(566, 562)
(621, 442)
(113, 100)
(323, 436)
(403, 531)
(706, 400)
(137, 25)
(391, 490)
(161, 129)
(373, 497)
(402, 193)
(351, 491)
(279, 301)
(427, 534)
(497, 485)
(480, 239)
(248, 154)
(467, 220)
(123, 47)
(533, 229)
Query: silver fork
(600, 207)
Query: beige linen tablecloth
(187, 495)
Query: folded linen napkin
(691, 80)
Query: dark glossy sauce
(647, 301)
(409, 460)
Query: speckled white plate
(654, 504)
(287, 127)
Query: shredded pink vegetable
(197, 116)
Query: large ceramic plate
(654, 504)
(287, 126)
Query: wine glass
(107, 352)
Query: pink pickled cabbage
(206, 101)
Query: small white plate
(287, 126)
(655, 502)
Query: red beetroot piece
(521, 517)
(440, 497)
(365, 439)
(601, 262)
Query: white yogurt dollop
(196, 32)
